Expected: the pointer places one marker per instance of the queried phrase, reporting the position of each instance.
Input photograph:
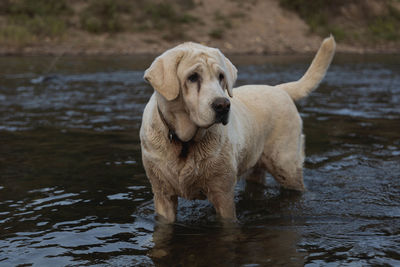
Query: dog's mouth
(222, 118)
(219, 118)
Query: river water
(73, 191)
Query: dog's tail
(315, 72)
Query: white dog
(196, 141)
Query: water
(73, 191)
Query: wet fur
(264, 130)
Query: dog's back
(269, 123)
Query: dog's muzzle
(221, 106)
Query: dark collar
(173, 137)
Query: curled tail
(315, 72)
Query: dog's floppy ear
(230, 73)
(162, 74)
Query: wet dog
(198, 134)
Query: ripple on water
(73, 190)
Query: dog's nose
(221, 105)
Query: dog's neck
(172, 136)
(176, 119)
(195, 135)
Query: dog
(198, 134)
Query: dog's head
(197, 76)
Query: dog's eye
(194, 77)
(221, 77)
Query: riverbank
(255, 27)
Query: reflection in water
(73, 190)
(225, 246)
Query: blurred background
(139, 26)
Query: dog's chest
(193, 176)
(190, 178)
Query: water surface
(73, 190)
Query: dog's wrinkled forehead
(197, 53)
(196, 47)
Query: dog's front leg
(165, 201)
(223, 202)
(165, 206)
